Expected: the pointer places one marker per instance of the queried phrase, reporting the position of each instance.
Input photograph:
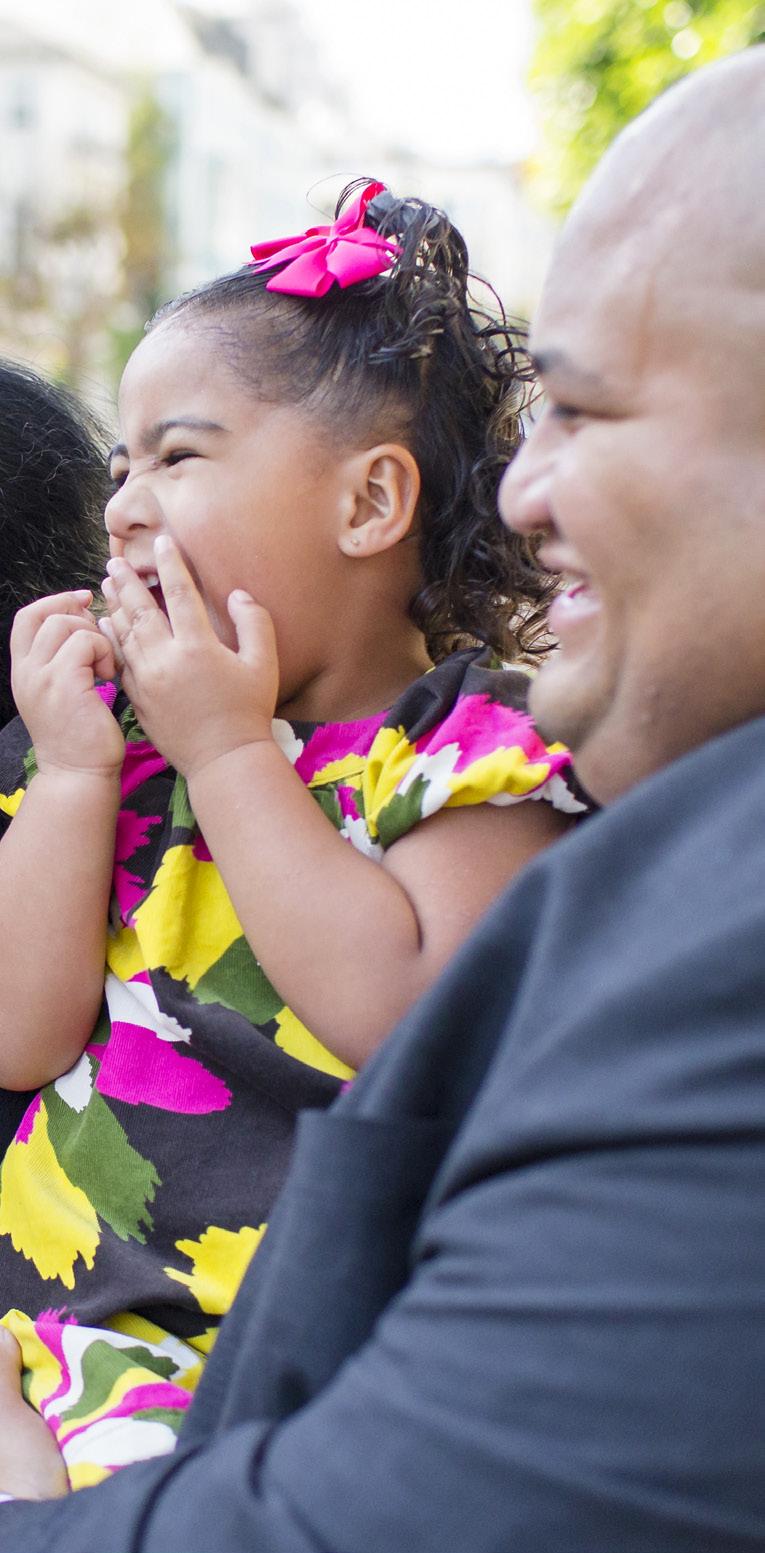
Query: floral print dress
(138, 1184)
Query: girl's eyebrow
(154, 435)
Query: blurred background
(145, 145)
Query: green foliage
(143, 218)
(598, 63)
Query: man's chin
(568, 709)
(559, 705)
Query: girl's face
(248, 490)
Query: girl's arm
(56, 857)
(351, 943)
(348, 943)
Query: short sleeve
(469, 741)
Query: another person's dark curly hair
(409, 356)
(53, 489)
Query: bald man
(513, 1297)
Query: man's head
(646, 472)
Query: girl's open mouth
(151, 581)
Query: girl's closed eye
(118, 476)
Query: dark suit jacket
(513, 1296)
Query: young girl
(309, 816)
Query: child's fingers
(92, 651)
(105, 627)
(127, 642)
(136, 619)
(186, 612)
(254, 629)
(10, 1362)
(86, 646)
(29, 620)
(53, 633)
(104, 658)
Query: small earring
(355, 540)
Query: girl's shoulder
(458, 684)
(462, 734)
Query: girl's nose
(131, 510)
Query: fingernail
(83, 593)
(240, 596)
(114, 565)
(8, 1341)
(163, 542)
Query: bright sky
(444, 77)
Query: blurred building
(144, 149)
(251, 137)
(69, 95)
(62, 123)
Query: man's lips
(575, 605)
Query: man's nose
(524, 487)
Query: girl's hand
(31, 1464)
(57, 654)
(196, 699)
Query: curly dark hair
(408, 355)
(54, 486)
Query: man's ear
(383, 492)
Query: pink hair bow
(343, 253)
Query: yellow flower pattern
(49, 1220)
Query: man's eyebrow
(150, 442)
(545, 362)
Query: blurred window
(21, 108)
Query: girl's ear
(383, 492)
